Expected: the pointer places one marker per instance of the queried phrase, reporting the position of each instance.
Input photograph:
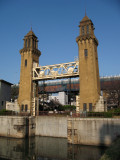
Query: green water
(46, 148)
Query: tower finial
(85, 12)
(31, 27)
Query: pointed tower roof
(30, 33)
(85, 19)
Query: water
(46, 148)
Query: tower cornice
(34, 51)
(80, 38)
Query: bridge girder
(56, 71)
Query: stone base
(101, 105)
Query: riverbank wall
(93, 131)
(13, 126)
(51, 126)
(17, 126)
(85, 131)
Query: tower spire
(85, 12)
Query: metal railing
(66, 113)
(80, 115)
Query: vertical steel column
(70, 90)
(43, 93)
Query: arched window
(25, 62)
(22, 107)
(83, 31)
(26, 108)
(26, 43)
(87, 29)
(85, 52)
(33, 43)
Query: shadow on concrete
(109, 132)
(110, 136)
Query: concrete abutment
(85, 131)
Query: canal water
(46, 148)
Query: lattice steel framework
(57, 71)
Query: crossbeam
(56, 71)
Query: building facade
(5, 93)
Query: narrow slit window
(87, 29)
(25, 62)
(33, 43)
(29, 43)
(86, 53)
(84, 106)
(22, 107)
(26, 108)
(26, 43)
(83, 31)
(90, 107)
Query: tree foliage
(14, 92)
(112, 93)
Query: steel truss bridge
(56, 71)
(50, 72)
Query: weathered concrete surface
(32, 126)
(51, 126)
(93, 131)
(86, 131)
(16, 126)
(12, 126)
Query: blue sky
(55, 23)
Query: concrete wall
(51, 126)
(89, 131)
(13, 106)
(32, 126)
(12, 126)
(16, 126)
(86, 131)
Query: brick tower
(29, 58)
(88, 66)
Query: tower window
(87, 29)
(83, 30)
(26, 43)
(25, 62)
(85, 52)
(29, 43)
(84, 106)
(22, 107)
(90, 107)
(26, 107)
(33, 43)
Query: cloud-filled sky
(55, 23)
